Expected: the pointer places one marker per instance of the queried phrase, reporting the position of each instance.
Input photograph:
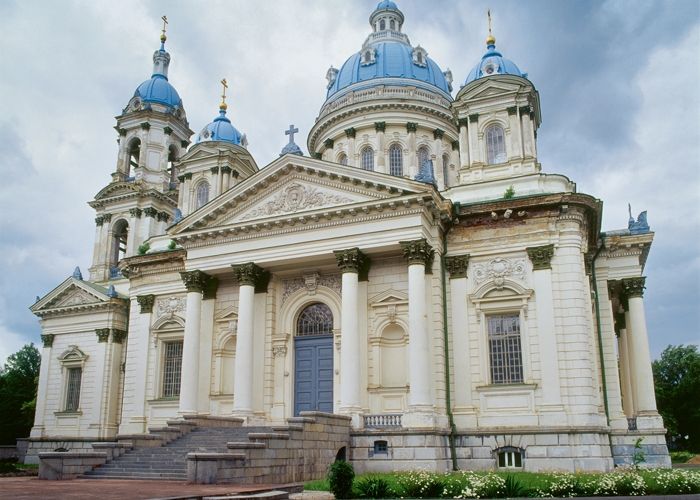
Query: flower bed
(466, 484)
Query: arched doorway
(313, 359)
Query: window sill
(68, 414)
(505, 387)
(164, 401)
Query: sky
(618, 83)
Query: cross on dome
(292, 130)
(163, 38)
(223, 105)
(291, 147)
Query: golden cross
(223, 95)
(165, 21)
(488, 13)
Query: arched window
(445, 170)
(133, 154)
(392, 24)
(368, 57)
(120, 235)
(419, 57)
(423, 156)
(315, 319)
(495, 144)
(395, 160)
(382, 25)
(367, 158)
(172, 158)
(343, 159)
(202, 194)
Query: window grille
(368, 158)
(495, 145)
(202, 194)
(504, 349)
(73, 388)
(510, 459)
(343, 159)
(395, 160)
(316, 319)
(172, 369)
(423, 156)
(381, 448)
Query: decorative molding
(541, 257)
(438, 133)
(498, 270)
(118, 336)
(102, 335)
(146, 303)
(74, 296)
(294, 198)
(188, 176)
(379, 126)
(352, 260)
(457, 265)
(214, 170)
(634, 287)
(279, 351)
(47, 339)
(168, 306)
(411, 127)
(512, 110)
(226, 169)
(195, 281)
(462, 122)
(251, 274)
(311, 281)
(107, 217)
(418, 252)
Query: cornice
(153, 263)
(113, 305)
(137, 192)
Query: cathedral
(417, 272)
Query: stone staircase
(170, 461)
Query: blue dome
(386, 5)
(393, 60)
(291, 148)
(493, 63)
(220, 130)
(158, 90)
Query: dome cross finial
(490, 40)
(163, 38)
(223, 105)
(292, 130)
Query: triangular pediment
(293, 186)
(118, 189)
(70, 294)
(389, 297)
(492, 86)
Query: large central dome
(387, 58)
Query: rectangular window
(510, 459)
(505, 353)
(172, 368)
(73, 388)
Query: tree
(677, 384)
(18, 382)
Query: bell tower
(141, 199)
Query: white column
(474, 149)
(226, 174)
(644, 398)
(352, 262)
(418, 253)
(541, 258)
(528, 133)
(412, 153)
(38, 428)
(194, 282)
(515, 149)
(626, 383)
(457, 267)
(248, 275)
(463, 144)
(381, 156)
(279, 355)
(206, 339)
(102, 367)
(350, 134)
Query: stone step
(138, 475)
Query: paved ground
(21, 488)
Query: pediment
(72, 293)
(389, 297)
(118, 189)
(74, 296)
(493, 86)
(296, 185)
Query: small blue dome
(291, 148)
(392, 60)
(220, 130)
(159, 90)
(493, 63)
(386, 5)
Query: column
(134, 232)
(624, 361)
(226, 174)
(380, 127)
(528, 132)
(457, 267)
(515, 146)
(437, 163)
(541, 258)
(195, 282)
(474, 150)
(98, 255)
(112, 383)
(215, 182)
(135, 372)
(463, 143)
(38, 428)
(412, 157)
(100, 391)
(350, 134)
(640, 369)
(206, 339)
(419, 255)
(249, 276)
(352, 263)
(279, 356)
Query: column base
(37, 431)
(420, 417)
(649, 420)
(354, 412)
(135, 425)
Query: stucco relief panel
(169, 306)
(498, 270)
(295, 198)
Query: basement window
(381, 448)
(510, 458)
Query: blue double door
(313, 373)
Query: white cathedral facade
(417, 272)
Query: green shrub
(373, 487)
(513, 487)
(172, 245)
(681, 457)
(509, 193)
(467, 484)
(671, 481)
(144, 248)
(420, 484)
(340, 476)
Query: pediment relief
(389, 297)
(73, 296)
(490, 88)
(72, 354)
(118, 189)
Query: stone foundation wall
(652, 450)
(405, 450)
(41, 445)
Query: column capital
(418, 252)
(474, 118)
(541, 257)
(194, 281)
(102, 334)
(210, 288)
(328, 143)
(411, 127)
(118, 336)
(463, 122)
(135, 212)
(47, 339)
(251, 274)
(99, 220)
(438, 133)
(146, 303)
(379, 126)
(350, 133)
(457, 265)
(150, 212)
(634, 287)
(352, 260)
(226, 169)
